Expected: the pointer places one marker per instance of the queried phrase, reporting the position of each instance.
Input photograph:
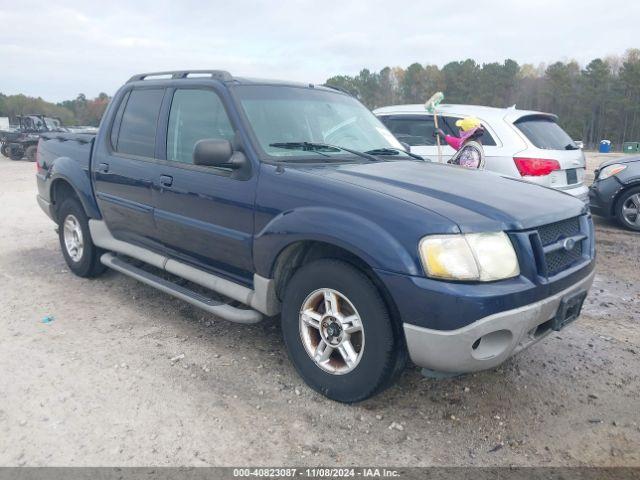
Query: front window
(281, 115)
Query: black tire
(383, 352)
(88, 263)
(16, 154)
(4, 150)
(628, 221)
(30, 153)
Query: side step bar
(262, 297)
(219, 309)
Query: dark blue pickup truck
(255, 198)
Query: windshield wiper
(392, 151)
(320, 148)
(571, 146)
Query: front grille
(559, 259)
(555, 231)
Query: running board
(262, 297)
(217, 308)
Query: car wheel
(81, 255)
(628, 209)
(15, 153)
(4, 150)
(339, 333)
(30, 153)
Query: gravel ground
(125, 375)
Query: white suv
(517, 143)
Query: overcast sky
(57, 49)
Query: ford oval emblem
(569, 244)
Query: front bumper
(501, 335)
(602, 195)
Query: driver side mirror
(212, 152)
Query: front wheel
(628, 209)
(339, 333)
(81, 255)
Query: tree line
(80, 111)
(598, 101)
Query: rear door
(124, 171)
(204, 214)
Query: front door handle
(166, 180)
(103, 167)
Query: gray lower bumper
(45, 206)
(501, 336)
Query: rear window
(137, 134)
(545, 133)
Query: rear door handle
(103, 167)
(166, 180)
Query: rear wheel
(4, 150)
(30, 153)
(339, 333)
(81, 255)
(628, 209)
(15, 153)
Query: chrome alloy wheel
(331, 331)
(73, 241)
(631, 209)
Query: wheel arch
(68, 177)
(635, 183)
(297, 254)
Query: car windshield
(52, 123)
(545, 133)
(294, 121)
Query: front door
(204, 215)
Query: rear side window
(137, 134)
(545, 133)
(487, 139)
(195, 115)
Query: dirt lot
(97, 386)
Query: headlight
(475, 256)
(611, 170)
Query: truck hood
(475, 200)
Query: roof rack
(340, 89)
(222, 75)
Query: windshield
(545, 133)
(281, 115)
(52, 123)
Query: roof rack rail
(340, 89)
(222, 75)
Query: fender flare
(67, 169)
(358, 235)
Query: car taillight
(535, 167)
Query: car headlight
(474, 256)
(611, 170)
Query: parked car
(23, 141)
(518, 143)
(615, 192)
(294, 200)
